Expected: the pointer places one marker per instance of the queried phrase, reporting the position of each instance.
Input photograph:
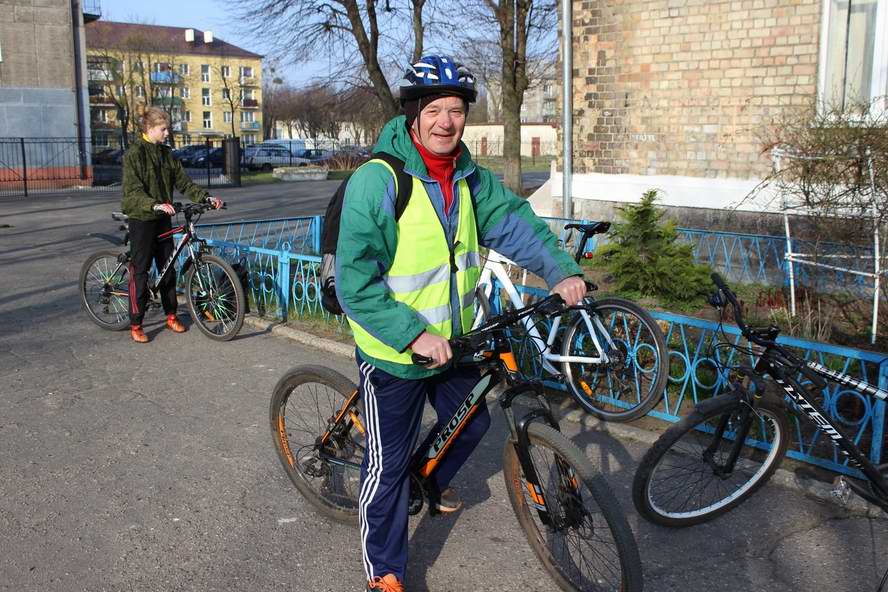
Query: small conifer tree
(645, 257)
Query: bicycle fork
(746, 415)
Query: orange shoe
(387, 583)
(137, 334)
(174, 324)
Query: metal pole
(876, 255)
(789, 265)
(24, 166)
(208, 146)
(567, 106)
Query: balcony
(250, 125)
(250, 104)
(165, 77)
(100, 99)
(92, 10)
(248, 81)
(167, 102)
(99, 75)
(179, 126)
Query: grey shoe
(449, 501)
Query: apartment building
(210, 88)
(676, 94)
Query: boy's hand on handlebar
(165, 208)
(572, 290)
(433, 346)
(215, 202)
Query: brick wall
(685, 87)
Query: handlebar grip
(569, 226)
(718, 281)
(421, 360)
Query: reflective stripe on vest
(421, 273)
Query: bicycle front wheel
(307, 401)
(215, 298)
(633, 379)
(684, 479)
(104, 290)
(587, 544)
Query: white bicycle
(611, 355)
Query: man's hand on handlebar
(165, 208)
(572, 290)
(433, 346)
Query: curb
(811, 488)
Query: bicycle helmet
(437, 75)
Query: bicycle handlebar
(479, 339)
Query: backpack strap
(403, 181)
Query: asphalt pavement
(151, 467)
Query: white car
(265, 157)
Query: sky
(206, 15)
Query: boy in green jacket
(407, 285)
(150, 173)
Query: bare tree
(364, 35)
(272, 87)
(524, 36)
(232, 92)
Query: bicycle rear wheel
(215, 297)
(681, 482)
(104, 290)
(631, 383)
(588, 545)
(305, 403)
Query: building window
(247, 93)
(185, 92)
(101, 140)
(184, 70)
(101, 116)
(226, 93)
(120, 90)
(249, 138)
(853, 58)
(140, 91)
(205, 98)
(186, 139)
(226, 116)
(165, 91)
(187, 117)
(246, 71)
(161, 67)
(204, 72)
(247, 117)
(226, 71)
(208, 120)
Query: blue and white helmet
(434, 74)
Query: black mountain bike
(571, 518)
(730, 445)
(213, 290)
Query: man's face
(440, 125)
(158, 134)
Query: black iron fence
(46, 165)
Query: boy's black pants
(145, 248)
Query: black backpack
(330, 233)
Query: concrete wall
(37, 72)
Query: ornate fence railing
(284, 264)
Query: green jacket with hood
(368, 238)
(150, 173)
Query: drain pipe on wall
(567, 106)
(78, 85)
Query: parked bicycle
(612, 356)
(571, 517)
(729, 446)
(213, 291)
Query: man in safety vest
(407, 284)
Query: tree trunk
(511, 140)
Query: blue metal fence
(284, 263)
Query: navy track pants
(393, 410)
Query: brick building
(675, 93)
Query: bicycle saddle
(594, 228)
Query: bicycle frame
(495, 269)
(426, 460)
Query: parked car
(316, 155)
(108, 156)
(187, 154)
(216, 157)
(268, 156)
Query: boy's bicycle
(571, 517)
(730, 445)
(213, 290)
(612, 356)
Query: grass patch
(539, 164)
(339, 175)
(258, 178)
